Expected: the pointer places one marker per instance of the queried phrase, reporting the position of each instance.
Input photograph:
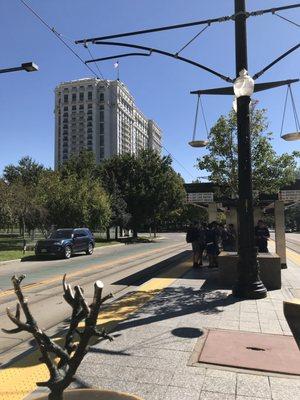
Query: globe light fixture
(243, 85)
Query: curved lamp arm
(164, 53)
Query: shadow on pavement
(141, 277)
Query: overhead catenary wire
(286, 19)
(97, 66)
(178, 162)
(193, 38)
(58, 35)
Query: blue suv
(65, 242)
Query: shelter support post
(280, 232)
(212, 212)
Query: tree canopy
(148, 184)
(270, 171)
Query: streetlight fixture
(249, 284)
(243, 85)
(28, 67)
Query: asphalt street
(119, 267)
(292, 241)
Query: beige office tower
(101, 116)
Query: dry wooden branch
(71, 355)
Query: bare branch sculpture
(61, 361)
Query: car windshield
(62, 234)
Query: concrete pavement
(153, 354)
(158, 327)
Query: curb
(96, 249)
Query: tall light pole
(249, 284)
(28, 67)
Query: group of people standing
(210, 238)
(214, 237)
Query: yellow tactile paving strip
(293, 256)
(18, 380)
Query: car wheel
(90, 250)
(67, 252)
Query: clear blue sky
(160, 85)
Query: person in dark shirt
(262, 235)
(228, 237)
(195, 236)
(212, 247)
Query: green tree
(292, 217)
(270, 171)
(82, 165)
(148, 185)
(26, 172)
(74, 202)
(7, 216)
(22, 180)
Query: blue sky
(160, 85)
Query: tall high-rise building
(101, 116)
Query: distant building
(101, 116)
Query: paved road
(119, 267)
(292, 241)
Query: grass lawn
(6, 255)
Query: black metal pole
(5, 70)
(248, 284)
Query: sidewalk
(152, 353)
(158, 333)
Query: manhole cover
(258, 351)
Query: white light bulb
(243, 85)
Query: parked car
(65, 242)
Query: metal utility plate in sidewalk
(257, 351)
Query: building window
(101, 140)
(73, 96)
(101, 129)
(101, 116)
(90, 105)
(81, 96)
(65, 108)
(101, 97)
(66, 98)
(73, 108)
(90, 95)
